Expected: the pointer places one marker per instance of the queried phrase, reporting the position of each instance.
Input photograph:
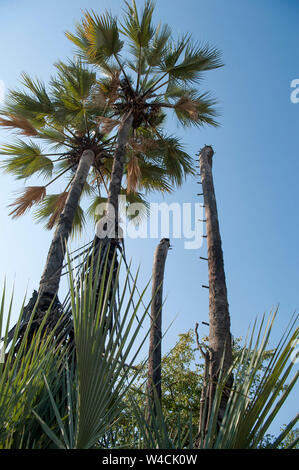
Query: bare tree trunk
(220, 348)
(50, 280)
(154, 360)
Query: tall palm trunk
(107, 231)
(220, 348)
(154, 360)
(118, 165)
(50, 280)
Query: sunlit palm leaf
(27, 159)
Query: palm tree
(73, 119)
(163, 74)
(67, 120)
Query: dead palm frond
(30, 196)
(107, 124)
(133, 174)
(57, 209)
(187, 105)
(19, 123)
(109, 88)
(141, 144)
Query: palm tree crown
(164, 71)
(144, 73)
(68, 122)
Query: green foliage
(94, 396)
(54, 397)
(157, 60)
(69, 116)
(258, 393)
(26, 160)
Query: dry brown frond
(107, 124)
(31, 195)
(185, 104)
(110, 91)
(99, 99)
(20, 123)
(141, 144)
(58, 209)
(133, 175)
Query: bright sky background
(255, 165)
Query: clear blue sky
(255, 166)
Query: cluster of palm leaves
(83, 106)
(112, 102)
(57, 125)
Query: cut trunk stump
(220, 348)
(154, 360)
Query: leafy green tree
(182, 382)
(291, 438)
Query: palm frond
(20, 124)
(155, 52)
(58, 208)
(50, 209)
(133, 174)
(30, 196)
(102, 377)
(79, 222)
(129, 209)
(176, 162)
(196, 110)
(102, 35)
(75, 79)
(47, 207)
(92, 210)
(27, 159)
(139, 30)
(34, 104)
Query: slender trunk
(118, 166)
(50, 280)
(154, 360)
(220, 348)
(107, 230)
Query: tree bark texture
(50, 280)
(154, 360)
(118, 165)
(220, 348)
